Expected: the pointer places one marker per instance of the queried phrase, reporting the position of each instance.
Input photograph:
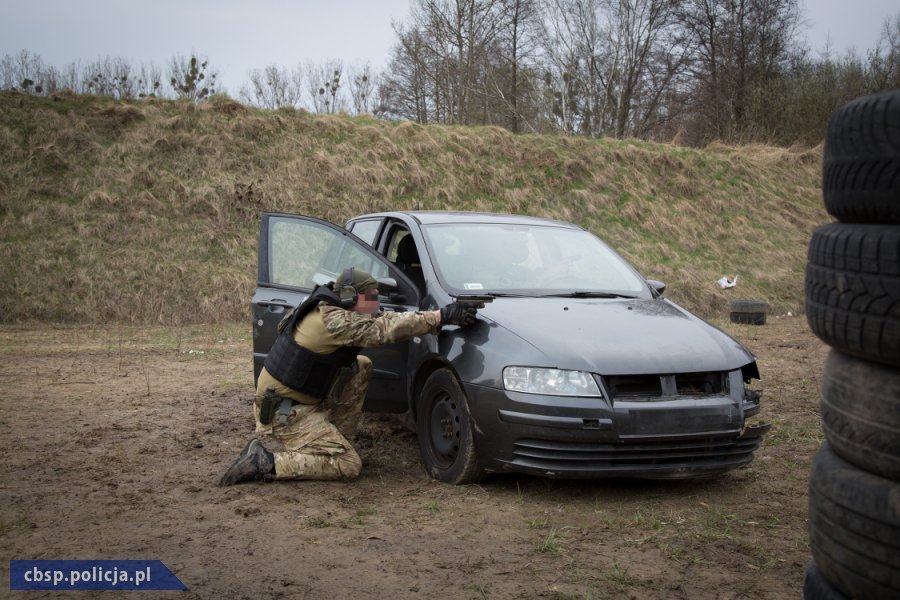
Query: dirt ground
(113, 439)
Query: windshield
(528, 259)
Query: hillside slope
(148, 212)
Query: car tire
(816, 587)
(444, 429)
(853, 289)
(749, 312)
(861, 413)
(861, 161)
(854, 527)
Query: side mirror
(658, 287)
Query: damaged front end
(689, 425)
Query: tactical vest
(302, 369)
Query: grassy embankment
(148, 212)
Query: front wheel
(444, 429)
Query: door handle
(273, 302)
(275, 305)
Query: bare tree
(407, 89)
(192, 78)
(612, 63)
(67, 78)
(884, 58)
(273, 87)
(325, 85)
(115, 77)
(24, 71)
(451, 40)
(149, 81)
(109, 76)
(643, 58)
(465, 62)
(362, 88)
(512, 77)
(573, 46)
(737, 46)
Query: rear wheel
(444, 429)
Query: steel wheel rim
(444, 428)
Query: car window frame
(645, 293)
(392, 235)
(379, 221)
(263, 276)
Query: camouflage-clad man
(310, 393)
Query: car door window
(305, 253)
(392, 249)
(401, 250)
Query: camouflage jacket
(349, 328)
(328, 328)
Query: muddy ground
(113, 440)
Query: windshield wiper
(490, 295)
(507, 295)
(588, 295)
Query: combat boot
(254, 464)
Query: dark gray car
(577, 367)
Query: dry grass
(148, 212)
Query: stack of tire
(853, 304)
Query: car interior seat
(408, 261)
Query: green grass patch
(550, 544)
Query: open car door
(297, 253)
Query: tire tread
(861, 413)
(854, 527)
(853, 289)
(861, 163)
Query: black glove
(457, 313)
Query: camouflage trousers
(315, 435)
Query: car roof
(431, 217)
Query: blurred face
(367, 302)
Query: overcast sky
(239, 35)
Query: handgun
(474, 300)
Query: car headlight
(551, 382)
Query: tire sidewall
(861, 413)
(861, 160)
(854, 527)
(816, 587)
(465, 468)
(852, 286)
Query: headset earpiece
(346, 292)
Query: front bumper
(685, 437)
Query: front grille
(649, 387)
(699, 384)
(635, 456)
(634, 386)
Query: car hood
(617, 336)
